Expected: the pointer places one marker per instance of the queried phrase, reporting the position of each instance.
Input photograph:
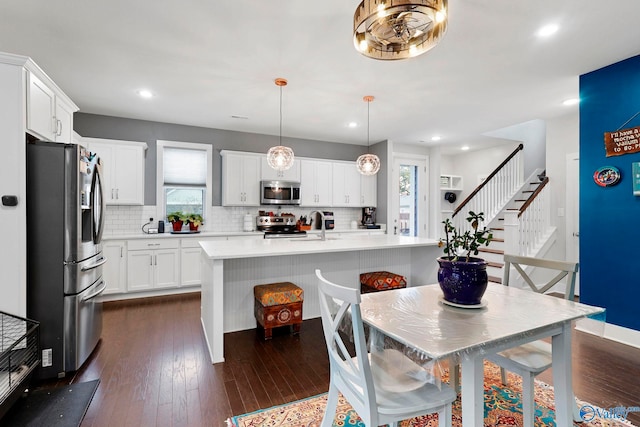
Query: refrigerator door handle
(97, 203)
(96, 293)
(92, 266)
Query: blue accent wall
(609, 216)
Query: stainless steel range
(278, 227)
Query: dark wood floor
(155, 371)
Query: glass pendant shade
(368, 164)
(398, 29)
(280, 157)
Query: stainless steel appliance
(278, 226)
(65, 220)
(279, 193)
(369, 217)
(329, 222)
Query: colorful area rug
(502, 407)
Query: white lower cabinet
(153, 264)
(115, 269)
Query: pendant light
(280, 157)
(368, 164)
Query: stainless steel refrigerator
(65, 220)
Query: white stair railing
(527, 229)
(494, 193)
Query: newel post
(512, 233)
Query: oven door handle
(92, 266)
(96, 293)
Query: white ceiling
(209, 60)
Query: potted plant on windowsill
(176, 219)
(463, 278)
(194, 220)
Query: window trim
(160, 196)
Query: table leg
(472, 392)
(562, 379)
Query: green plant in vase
(176, 219)
(463, 278)
(458, 244)
(194, 220)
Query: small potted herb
(176, 219)
(194, 220)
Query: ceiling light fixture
(368, 164)
(547, 30)
(572, 101)
(144, 93)
(464, 148)
(436, 138)
(398, 29)
(353, 125)
(280, 157)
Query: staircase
(517, 211)
(494, 254)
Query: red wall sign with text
(623, 141)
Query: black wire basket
(19, 356)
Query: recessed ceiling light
(352, 125)
(464, 147)
(547, 30)
(436, 138)
(572, 101)
(144, 93)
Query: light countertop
(204, 234)
(254, 248)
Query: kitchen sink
(313, 239)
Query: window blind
(184, 167)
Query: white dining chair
(531, 359)
(383, 387)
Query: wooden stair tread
(494, 264)
(497, 228)
(520, 200)
(497, 239)
(528, 191)
(491, 251)
(513, 209)
(495, 279)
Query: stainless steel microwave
(279, 193)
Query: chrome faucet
(322, 225)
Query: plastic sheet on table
(416, 322)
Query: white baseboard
(610, 331)
(150, 293)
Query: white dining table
(417, 318)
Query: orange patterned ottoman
(278, 304)
(381, 281)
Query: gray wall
(98, 126)
(380, 150)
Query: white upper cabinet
(315, 183)
(346, 185)
(49, 116)
(122, 169)
(270, 174)
(240, 179)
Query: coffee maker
(369, 217)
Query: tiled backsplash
(129, 219)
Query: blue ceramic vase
(463, 282)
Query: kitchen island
(231, 269)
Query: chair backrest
(565, 269)
(340, 306)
